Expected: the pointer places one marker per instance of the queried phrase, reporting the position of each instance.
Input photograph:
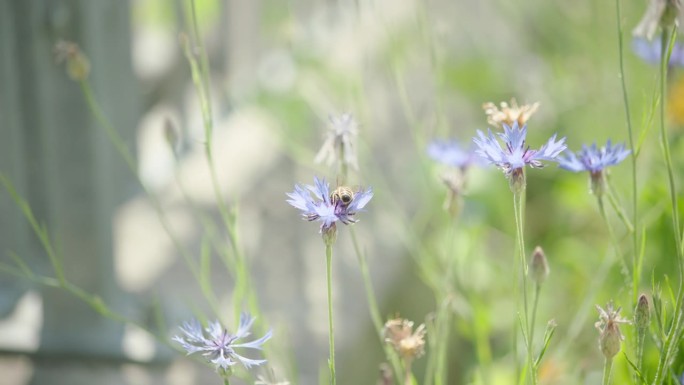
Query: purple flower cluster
(217, 345)
(316, 204)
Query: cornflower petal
(256, 344)
(361, 199)
(246, 322)
(551, 149)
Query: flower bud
(642, 313)
(610, 340)
(539, 267)
(608, 326)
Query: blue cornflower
(513, 158)
(594, 160)
(217, 345)
(317, 203)
(450, 153)
(650, 51)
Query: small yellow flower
(407, 343)
(509, 114)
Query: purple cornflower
(594, 160)
(450, 153)
(513, 158)
(317, 203)
(217, 345)
(650, 51)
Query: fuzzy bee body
(342, 195)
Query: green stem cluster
(671, 340)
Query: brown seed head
(509, 114)
(407, 343)
(608, 325)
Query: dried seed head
(407, 343)
(608, 326)
(539, 267)
(509, 114)
(77, 64)
(642, 313)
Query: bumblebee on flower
(318, 203)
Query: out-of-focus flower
(450, 153)
(340, 142)
(77, 63)
(650, 51)
(516, 154)
(407, 343)
(660, 13)
(594, 160)
(217, 345)
(509, 114)
(608, 326)
(317, 203)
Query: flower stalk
(331, 333)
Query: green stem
(606, 371)
(331, 362)
(518, 198)
(615, 203)
(376, 318)
(636, 269)
(611, 234)
(535, 302)
(641, 339)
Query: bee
(342, 194)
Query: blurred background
(409, 72)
